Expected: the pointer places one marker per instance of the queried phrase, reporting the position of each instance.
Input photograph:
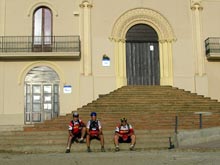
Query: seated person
(124, 133)
(94, 131)
(77, 131)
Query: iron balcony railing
(39, 44)
(212, 45)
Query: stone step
(95, 147)
(110, 122)
(171, 105)
(144, 119)
(159, 93)
(63, 140)
(147, 108)
(56, 141)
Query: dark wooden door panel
(142, 63)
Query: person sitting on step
(94, 131)
(77, 131)
(124, 133)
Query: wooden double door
(142, 56)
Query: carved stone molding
(38, 4)
(86, 4)
(196, 4)
(142, 16)
(29, 66)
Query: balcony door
(42, 30)
(41, 95)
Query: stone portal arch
(27, 68)
(165, 34)
(35, 5)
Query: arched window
(42, 29)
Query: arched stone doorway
(41, 94)
(166, 38)
(142, 56)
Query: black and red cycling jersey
(124, 129)
(94, 127)
(76, 126)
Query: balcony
(212, 48)
(30, 48)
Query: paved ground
(200, 154)
(213, 145)
(155, 157)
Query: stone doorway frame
(166, 38)
(47, 82)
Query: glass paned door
(56, 100)
(41, 95)
(28, 103)
(36, 103)
(47, 101)
(42, 102)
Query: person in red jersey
(124, 133)
(77, 131)
(94, 131)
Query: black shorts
(121, 140)
(94, 137)
(78, 135)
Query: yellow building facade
(56, 56)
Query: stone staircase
(152, 110)
(55, 141)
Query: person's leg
(116, 141)
(88, 143)
(101, 140)
(101, 137)
(133, 141)
(116, 137)
(83, 133)
(69, 143)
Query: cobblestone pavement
(154, 157)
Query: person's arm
(100, 127)
(82, 124)
(70, 129)
(71, 133)
(117, 131)
(131, 130)
(87, 128)
(120, 135)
